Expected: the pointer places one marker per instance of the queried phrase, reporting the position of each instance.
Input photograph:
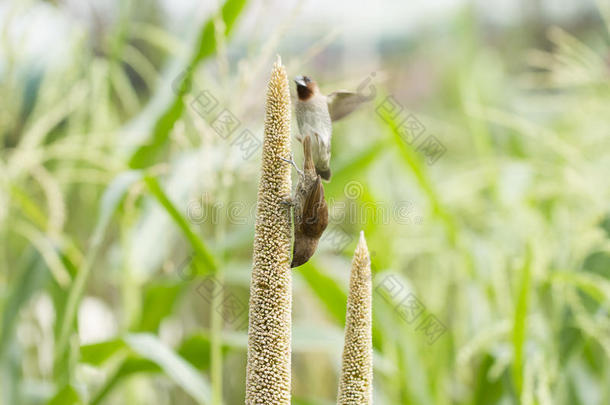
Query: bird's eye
(306, 79)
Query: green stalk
(215, 315)
(216, 341)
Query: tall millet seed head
(356, 381)
(268, 368)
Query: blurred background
(130, 139)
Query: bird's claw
(291, 161)
(287, 202)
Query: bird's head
(306, 87)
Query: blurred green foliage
(505, 239)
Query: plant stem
(216, 318)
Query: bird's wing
(315, 211)
(342, 103)
(299, 115)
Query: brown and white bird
(315, 115)
(310, 211)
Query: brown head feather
(307, 91)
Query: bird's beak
(300, 80)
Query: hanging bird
(310, 211)
(315, 115)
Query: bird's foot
(291, 161)
(287, 202)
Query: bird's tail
(325, 174)
(308, 166)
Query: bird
(315, 114)
(310, 210)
